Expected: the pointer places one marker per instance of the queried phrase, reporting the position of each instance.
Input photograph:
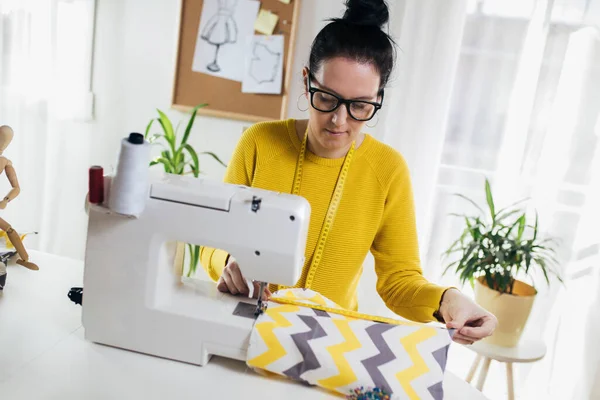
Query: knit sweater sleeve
(400, 281)
(240, 171)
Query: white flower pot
(511, 310)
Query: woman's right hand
(233, 282)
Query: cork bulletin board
(224, 96)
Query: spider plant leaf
(195, 160)
(148, 128)
(213, 155)
(166, 164)
(168, 130)
(188, 128)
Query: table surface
(44, 354)
(525, 352)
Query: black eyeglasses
(324, 101)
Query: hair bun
(367, 12)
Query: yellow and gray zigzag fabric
(308, 338)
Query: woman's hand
(233, 282)
(471, 321)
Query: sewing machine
(133, 297)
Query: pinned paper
(265, 22)
(285, 1)
(264, 65)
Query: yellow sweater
(376, 214)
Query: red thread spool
(96, 184)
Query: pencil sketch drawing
(220, 30)
(265, 64)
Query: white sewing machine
(133, 298)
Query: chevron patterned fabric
(342, 353)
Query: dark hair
(357, 36)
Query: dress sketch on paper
(264, 66)
(220, 30)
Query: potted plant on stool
(496, 251)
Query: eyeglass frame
(312, 90)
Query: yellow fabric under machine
(306, 337)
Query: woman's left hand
(471, 321)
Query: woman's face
(333, 132)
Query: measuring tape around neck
(333, 204)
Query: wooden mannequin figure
(6, 135)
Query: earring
(376, 122)
(298, 102)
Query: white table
(43, 353)
(526, 351)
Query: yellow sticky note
(285, 1)
(265, 22)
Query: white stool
(525, 352)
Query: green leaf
(188, 128)
(450, 266)
(155, 137)
(161, 160)
(168, 129)
(213, 155)
(511, 206)
(542, 264)
(167, 156)
(470, 201)
(180, 166)
(148, 128)
(196, 256)
(191, 261)
(194, 155)
(459, 215)
(521, 227)
(490, 200)
(535, 229)
(452, 248)
(166, 124)
(503, 217)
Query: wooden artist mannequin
(6, 135)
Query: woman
(359, 184)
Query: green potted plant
(496, 252)
(180, 158)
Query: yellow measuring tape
(344, 312)
(333, 204)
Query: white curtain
(45, 82)
(509, 90)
